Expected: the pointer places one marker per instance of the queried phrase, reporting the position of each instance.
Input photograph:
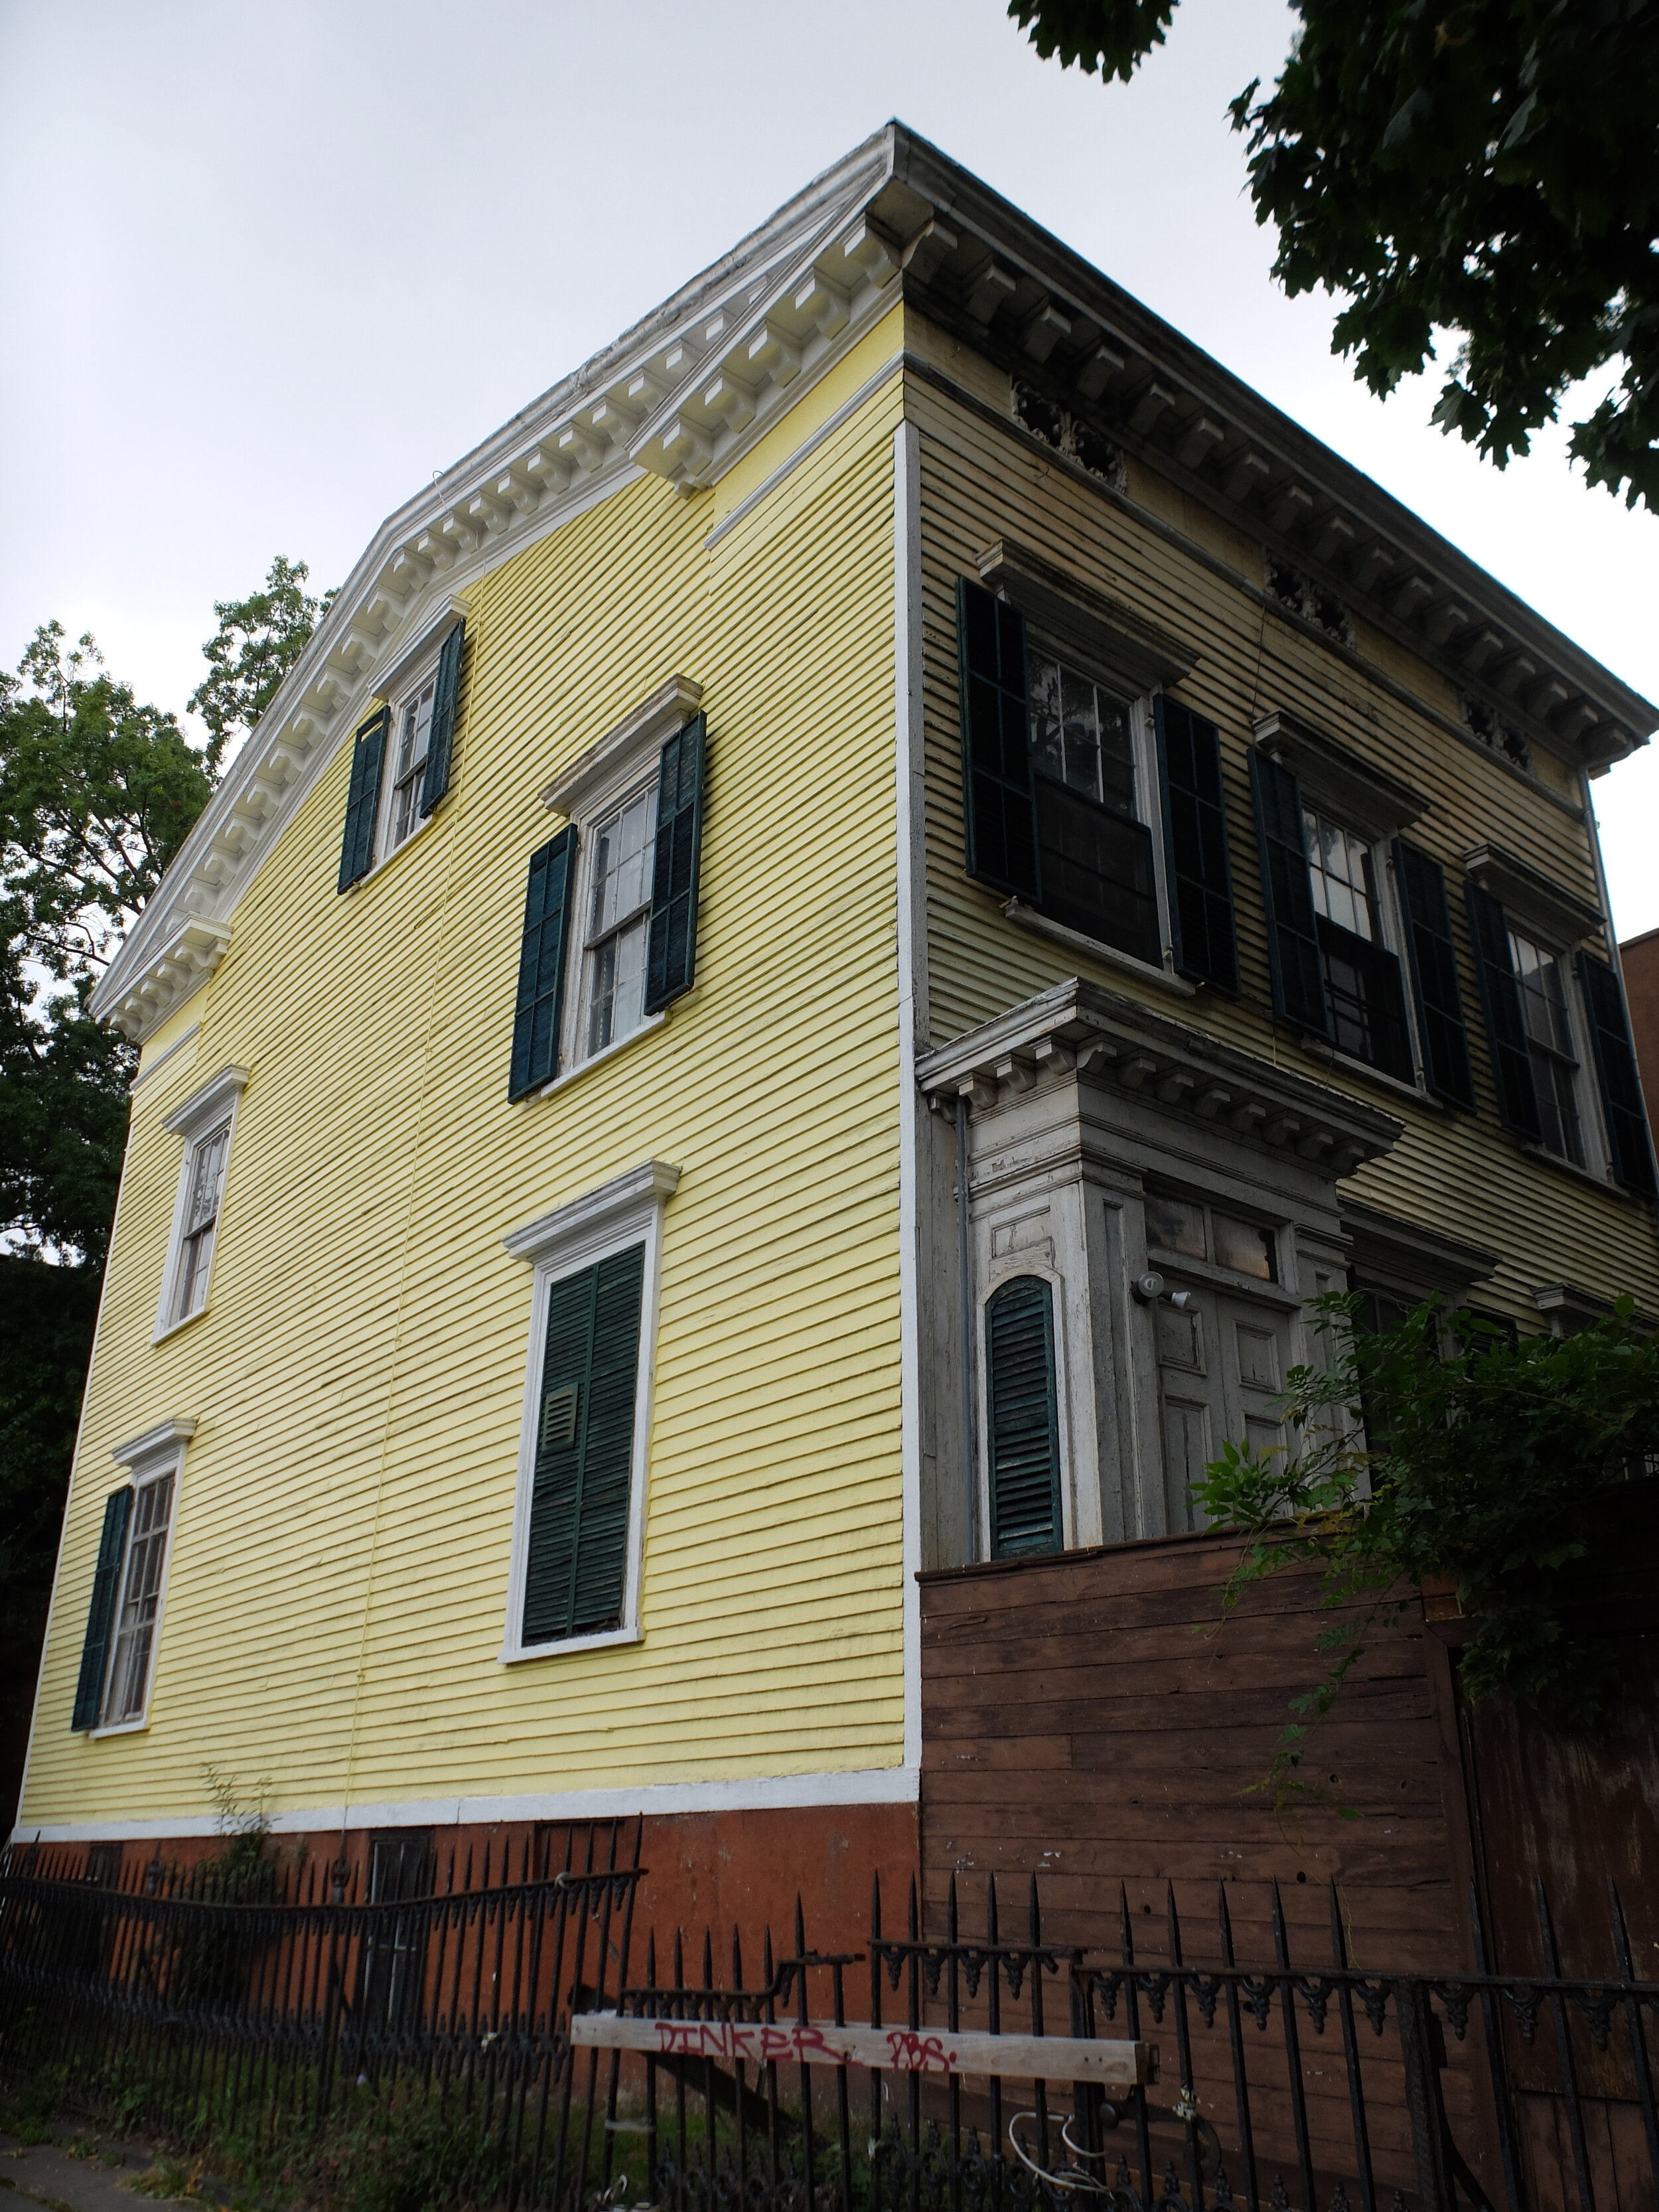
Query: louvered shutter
(446, 697)
(100, 1613)
(1433, 961)
(1201, 929)
(1622, 1103)
(1298, 979)
(996, 743)
(1024, 1427)
(671, 960)
(541, 964)
(364, 799)
(576, 1568)
(1500, 1001)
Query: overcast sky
(269, 267)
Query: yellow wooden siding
(1461, 1173)
(338, 1585)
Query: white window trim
(213, 1107)
(592, 787)
(418, 671)
(158, 1451)
(624, 1211)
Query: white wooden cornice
(1079, 1030)
(683, 395)
(690, 390)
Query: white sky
(268, 267)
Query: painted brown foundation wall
(1092, 1719)
(704, 1870)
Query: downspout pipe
(965, 1360)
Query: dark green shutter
(1019, 1342)
(1500, 1001)
(440, 736)
(363, 799)
(1298, 978)
(1622, 1104)
(1433, 961)
(671, 958)
(576, 1570)
(541, 964)
(101, 1614)
(1201, 932)
(996, 743)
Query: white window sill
(1333, 1056)
(1028, 917)
(1604, 1184)
(175, 1328)
(120, 1727)
(517, 1655)
(597, 1059)
(396, 852)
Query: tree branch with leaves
(1487, 169)
(1443, 1451)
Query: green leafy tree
(1442, 1451)
(257, 640)
(97, 793)
(1488, 168)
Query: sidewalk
(100, 2182)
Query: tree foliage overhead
(1488, 168)
(257, 640)
(1442, 1451)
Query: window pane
(1080, 734)
(616, 986)
(622, 863)
(1343, 888)
(1174, 1226)
(414, 731)
(141, 1591)
(1549, 1046)
(1245, 1247)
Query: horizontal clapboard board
(901, 2050)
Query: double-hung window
(1335, 973)
(400, 756)
(413, 727)
(1091, 799)
(1543, 986)
(576, 1547)
(206, 1121)
(621, 851)
(1542, 1006)
(611, 906)
(129, 1583)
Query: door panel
(1222, 1363)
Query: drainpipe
(964, 1263)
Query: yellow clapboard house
(894, 821)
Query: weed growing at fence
(1441, 1449)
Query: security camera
(1149, 1288)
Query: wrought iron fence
(574, 2059)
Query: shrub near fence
(524, 2043)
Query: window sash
(205, 1174)
(139, 1605)
(616, 897)
(413, 739)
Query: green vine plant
(1444, 1451)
